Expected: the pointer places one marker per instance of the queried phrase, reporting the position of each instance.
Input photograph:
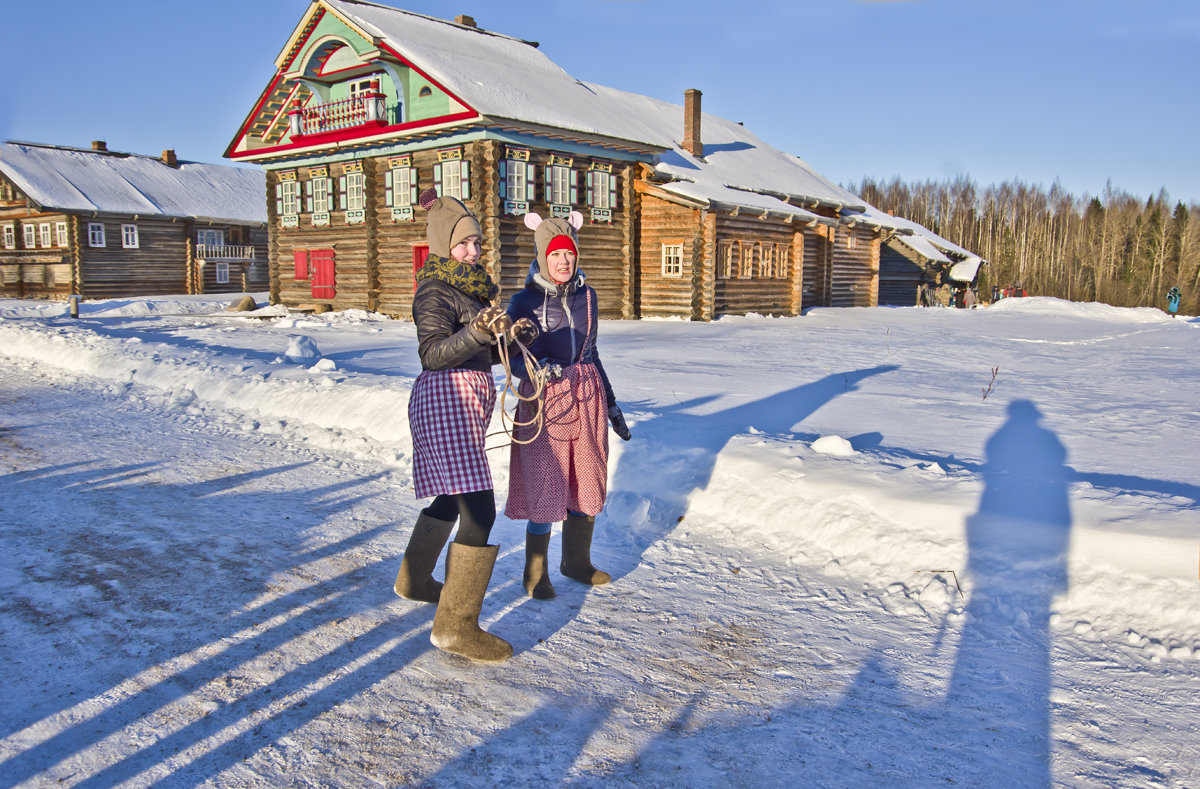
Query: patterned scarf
(469, 278)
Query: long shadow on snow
(107, 599)
(990, 728)
(673, 455)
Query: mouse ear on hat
(532, 220)
(575, 219)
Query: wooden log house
(104, 224)
(686, 214)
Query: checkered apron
(566, 466)
(448, 413)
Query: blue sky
(1079, 91)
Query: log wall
(760, 292)
(900, 273)
(660, 223)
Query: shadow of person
(1017, 545)
(673, 455)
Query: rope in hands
(496, 322)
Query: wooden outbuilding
(102, 224)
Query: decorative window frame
(288, 200)
(129, 236)
(672, 259)
(602, 191)
(62, 237)
(452, 174)
(29, 231)
(400, 188)
(518, 181)
(45, 235)
(561, 184)
(10, 236)
(96, 235)
(352, 193)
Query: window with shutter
(324, 279)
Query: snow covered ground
(836, 560)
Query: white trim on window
(222, 272)
(288, 195)
(30, 236)
(355, 192)
(45, 237)
(672, 260)
(10, 237)
(62, 238)
(96, 234)
(129, 236)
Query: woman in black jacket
(449, 411)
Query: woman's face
(467, 250)
(561, 263)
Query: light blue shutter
(341, 191)
(546, 172)
(278, 199)
(388, 200)
(414, 190)
(437, 178)
(530, 182)
(573, 181)
(466, 180)
(503, 178)
(612, 192)
(308, 196)
(589, 188)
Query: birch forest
(1117, 249)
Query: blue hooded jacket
(561, 313)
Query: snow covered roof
(923, 247)
(74, 179)
(505, 78)
(921, 238)
(966, 270)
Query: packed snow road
(194, 595)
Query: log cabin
(101, 224)
(687, 214)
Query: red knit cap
(561, 242)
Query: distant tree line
(1116, 249)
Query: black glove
(618, 423)
(524, 331)
(491, 321)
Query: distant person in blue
(1173, 296)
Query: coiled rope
(537, 375)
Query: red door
(420, 252)
(323, 275)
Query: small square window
(672, 260)
(129, 236)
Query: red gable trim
(353, 132)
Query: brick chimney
(99, 145)
(467, 21)
(168, 158)
(691, 123)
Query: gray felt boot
(456, 623)
(577, 551)
(415, 580)
(537, 575)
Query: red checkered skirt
(566, 466)
(448, 413)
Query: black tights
(476, 512)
